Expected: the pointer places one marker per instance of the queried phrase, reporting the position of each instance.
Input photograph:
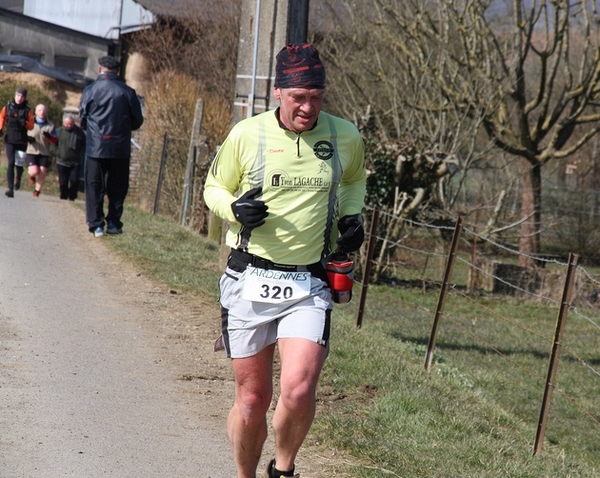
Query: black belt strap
(237, 256)
(256, 261)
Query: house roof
(173, 7)
(21, 64)
(52, 26)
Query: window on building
(35, 56)
(73, 63)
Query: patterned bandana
(299, 66)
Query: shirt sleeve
(29, 122)
(222, 181)
(137, 117)
(2, 118)
(353, 187)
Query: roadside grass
(473, 415)
(169, 252)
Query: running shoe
(269, 472)
(112, 229)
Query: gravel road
(102, 373)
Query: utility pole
(297, 30)
(266, 26)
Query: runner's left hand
(352, 233)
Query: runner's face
(40, 112)
(19, 98)
(299, 107)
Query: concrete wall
(270, 38)
(21, 35)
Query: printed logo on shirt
(323, 150)
(280, 180)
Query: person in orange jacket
(16, 118)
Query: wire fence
(488, 303)
(485, 277)
(170, 181)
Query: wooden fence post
(556, 346)
(188, 185)
(161, 173)
(443, 293)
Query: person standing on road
(40, 138)
(71, 148)
(284, 179)
(109, 111)
(16, 118)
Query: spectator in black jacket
(16, 118)
(109, 111)
(71, 147)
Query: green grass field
(475, 414)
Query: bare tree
(415, 140)
(528, 70)
(191, 54)
(199, 40)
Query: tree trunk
(531, 207)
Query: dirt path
(102, 371)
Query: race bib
(274, 287)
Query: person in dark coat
(109, 111)
(70, 149)
(16, 118)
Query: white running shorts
(250, 326)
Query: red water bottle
(340, 275)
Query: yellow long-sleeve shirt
(308, 180)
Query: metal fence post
(443, 293)
(556, 346)
(367, 271)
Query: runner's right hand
(248, 211)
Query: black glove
(1, 133)
(352, 233)
(248, 211)
(47, 135)
(30, 139)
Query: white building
(105, 19)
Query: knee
(298, 397)
(253, 405)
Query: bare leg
(33, 172)
(41, 178)
(301, 364)
(247, 424)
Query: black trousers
(105, 177)
(11, 150)
(68, 181)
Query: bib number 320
(274, 287)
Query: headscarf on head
(299, 66)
